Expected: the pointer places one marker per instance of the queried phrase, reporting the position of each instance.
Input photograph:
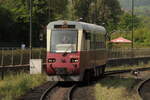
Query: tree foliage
(6, 23)
(126, 21)
(14, 16)
(19, 11)
(99, 11)
(18, 8)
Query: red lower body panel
(63, 64)
(86, 60)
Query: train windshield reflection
(64, 41)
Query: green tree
(99, 12)
(126, 22)
(57, 9)
(19, 10)
(71, 11)
(45, 11)
(18, 30)
(82, 9)
(6, 24)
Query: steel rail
(140, 86)
(48, 90)
(70, 93)
(125, 71)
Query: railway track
(69, 90)
(65, 91)
(107, 73)
(36, 93)
(70, 95)
(54, 92)
(45, 93)
(59, 91)
(144, 89)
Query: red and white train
(76, 51)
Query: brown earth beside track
(85, 92)
(59, 91)
(58, 94)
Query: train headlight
(51, 60)
(74, 60)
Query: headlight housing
(74, 60)
(51, 60)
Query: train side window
(92, 42)
(86, 39)
(87, 35)
(99, 41)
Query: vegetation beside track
(16, 85)
(116, 88)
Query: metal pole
(12, 57)
(40, 53)
(30, 29)
(2, 71)
(21, 57)
(49, 14)
(132, 22)
(2, 61)
(132, 55)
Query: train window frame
(87, 35)
(95, 40)
(100, 39)
(92, 41)
(64, 29)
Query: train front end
(63, 57)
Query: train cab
(71, 49)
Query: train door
(86, 43)
(86, 55)
(94, 55)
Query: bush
(16, 85)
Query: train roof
(79, 25)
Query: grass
(16, 85)
(114, 88)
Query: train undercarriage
(87, 75)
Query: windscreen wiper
(65, 53)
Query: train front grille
(61, 71)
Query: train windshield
(64, 41)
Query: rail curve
(144, 89)
(43, 97)
(58, 88)
(70, 94)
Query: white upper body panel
(79, 25)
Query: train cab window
(64, 41)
